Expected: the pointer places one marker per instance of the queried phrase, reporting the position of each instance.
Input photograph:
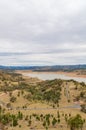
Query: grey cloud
(44, 29)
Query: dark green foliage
(58, 114)
(29, 122)
(13, 99)
(10, 118)
(54, 121)
(83, 108)
(15, 122)
(37, 118)
(75, 122)
(49, 91)
(26, 118)
(20, 115)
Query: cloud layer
(45, 32)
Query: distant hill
(45, 68)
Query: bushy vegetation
(7, 118)
(76, 122)
(49, 91)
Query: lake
(51, 76)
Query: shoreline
(70, 74)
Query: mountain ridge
(45, 68)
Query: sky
(42, 32)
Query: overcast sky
(42, 32)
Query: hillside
(28, 103)
(46, 68)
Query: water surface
(51, 76)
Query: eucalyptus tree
(76, 122)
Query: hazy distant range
(46, 68)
